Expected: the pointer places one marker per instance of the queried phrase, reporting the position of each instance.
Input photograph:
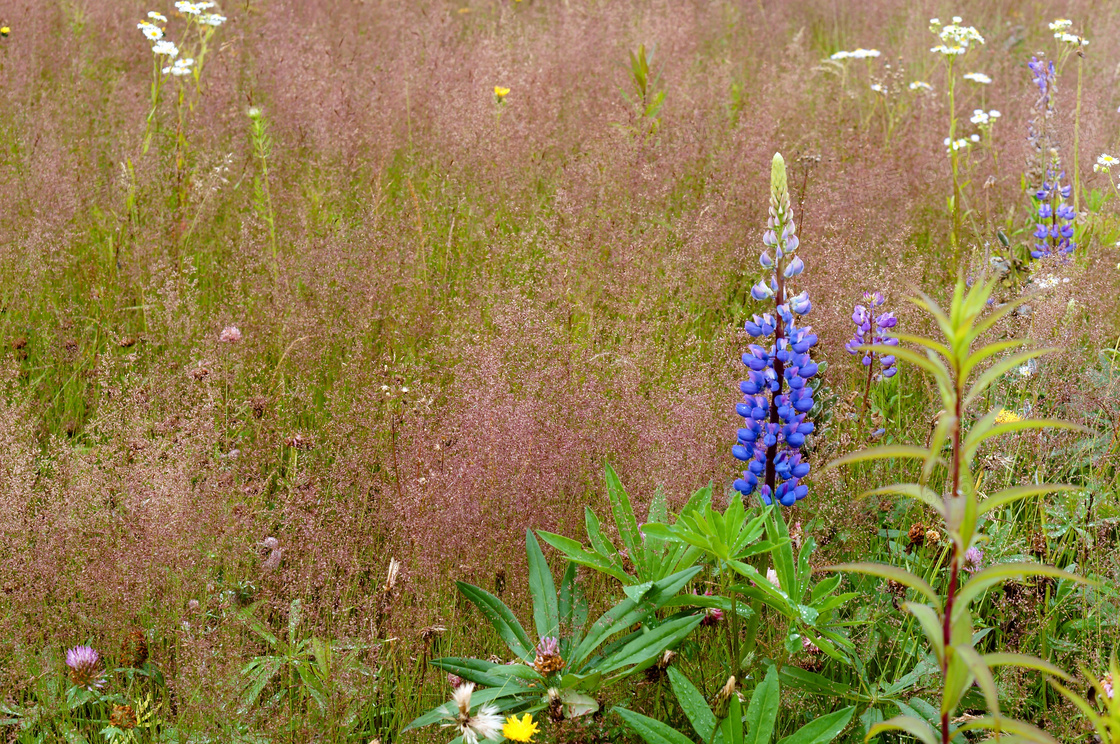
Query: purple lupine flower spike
(776, 393)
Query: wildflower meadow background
(558, 371)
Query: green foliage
(948, 488)
(302, 668)
(646, 99)
(593, 658)
(649, 559)
(726, 722)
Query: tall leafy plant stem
(954, 568)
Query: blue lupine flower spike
(776, 395)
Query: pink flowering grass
(468, 314)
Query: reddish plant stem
(946, 628)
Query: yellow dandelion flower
(500, 92)
(1007, 417)
(4, 31)
(522, 730)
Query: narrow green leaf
(915, 491)
(575, 552)
(1015, 493)
(1001, 572)
(930, 622)
(985, 352)
(623, 512)
(762, 710)
(897, 451)
(546, 615)
(602, 545)
(998, 370)
(894, 573)
(1011, 427)
(983, 676)
(1010, 726)
(1025, 661)
(629, 612)
(916, 727)
(650, 729)
(693, 704)
(509, 629)
(823, 730)
(650, 644)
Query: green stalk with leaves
(948, 487)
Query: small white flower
(1060, 24)
(934, 21)
(188, 8)
(180, 68)
(213, 19)
(166, 49)
(979, 116)
(978, 77)
(157, 16)
(1072, 39)
(841, 55)
(994, 114)
(956, 19)
(150, 30)
(974, 137)
(879, 89)
(919, 85)
(1105, 163)
(865, 53)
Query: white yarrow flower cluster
(984, 118)
(919, 85)
(180, 68)
(857, 54)
(1105, 164)
(955, 38)
(978, 77)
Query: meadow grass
(453, 307)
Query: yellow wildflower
(4, 30)
(522, 730)
(1007, 417)
(500, 92)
